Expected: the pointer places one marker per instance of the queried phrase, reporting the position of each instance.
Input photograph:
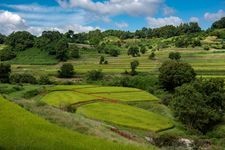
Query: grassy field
(34, 56)
(125, 115)
(62, 98)
(20, 129)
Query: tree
(200, 105)
(173, 74)
(133, 65)
(74, 51)
(62, 50)
(174, 56)
(182, 42)
(143, 50)
(196, 42)
(7, 54)
(95, 75)
(152, 56)
(2, 38)
(5, 70)
(66, 71)
(114, 52)
(219, 24)
(20, 40)
(102, 60)
(133, 51)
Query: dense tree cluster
(200, 104)
(20, 40)
(173, 74)
(7, 54)
(174, 56)
(5, 70)
(219, 24)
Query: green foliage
(20, 40)
(133, 51)
(61, 48)
(114, 52)
(44, 80)
(219, 24)
(182, 42)
(31, 93)
(174, 56)
(196, 42)
(152, 56)
(5, 70)
(206, 48)
(95, 37)
(2, 38)
(102, 60)
(74, 51)
(23, 78)
(7, 54)
(143, 50)
(95, 75)
(66, 71)
(174, 74)
(200, 105)
(133, 65)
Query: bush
(5, 70)
(31, 93)
(95, 75)
(114, 52)
(143, 50)
(174, 56)
(133, 51)
(23, 78)
(102, 60)
(44, 80)
(74, 51)
(173, 74)
(152, 56)
(66, 71)
(7, 54)
(206, 48)
(133, 65)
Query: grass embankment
(20, 129)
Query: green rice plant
(20, 129)
(125, 115)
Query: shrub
(174, 56)
(152, 56)
(44, 80)
(7, 54)
(143, 50)
(133, 51)
(66, 71)
(31, 93)
(23, 78)
(95, 75)
(102, 59)
(74, 51)
(173, 74)
(5, 70)
(114, 52)
(206, 48)
(133, 65)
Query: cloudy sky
(85, 15)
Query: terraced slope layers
(105, 104)
(22, 130)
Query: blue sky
(85, 15)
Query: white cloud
(10, 22)
(115, 7)
(194, 19)
(121, 25)
(214, 16)
(159, 22)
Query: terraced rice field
(125, 115)
(103, 104)
(20, 129)
(128, 96)
(204, 62)
(63, 98)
